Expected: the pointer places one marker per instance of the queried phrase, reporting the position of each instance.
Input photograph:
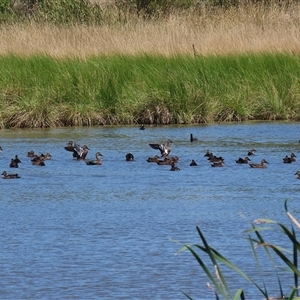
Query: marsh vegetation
(40, 91)
(100, 63)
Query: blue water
(72, 231)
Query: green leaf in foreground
(218, 283)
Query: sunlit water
(72, 231)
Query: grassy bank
(65, 65)
(40, 91)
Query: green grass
(40, 91)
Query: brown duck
(38, 161)
(14, 163)
(289, 159)
(153, 159)
(207, 153)
(97, 161)
(46, 156)
(262, 164)
(70, 146)
(30, 153)
(168, 161)
(243, 160)
(251, 152)
(5, 175)
(214, 158)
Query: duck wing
(69, 148)
(155, 146)
(77, 151)
(160, 147)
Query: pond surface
(72, 231)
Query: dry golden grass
(246, 29)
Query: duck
(168, 161)
(129, 157)
(38, 161)
(13, 164)
(142, 127)
(153, 159)
(9, 176)
(46, 156)
(251, 152)
(98, 160)
(288, 160)
(217, 164)
(164, 149)
(30, 153)
(17, 160)
(213, 158)
(174, 158)
(207, 153)
(243, 160)
(80, 153)
(70, 146)
(193, 163)
(174, 167)
(262, 164)
(192, 138)
(298, 174)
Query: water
(72, 231)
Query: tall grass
(88, 63)
(40, 91)
(201, 30)
(218, 281)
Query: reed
(200, 30)
(94, 63)
(41, 91)
(213, 269)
